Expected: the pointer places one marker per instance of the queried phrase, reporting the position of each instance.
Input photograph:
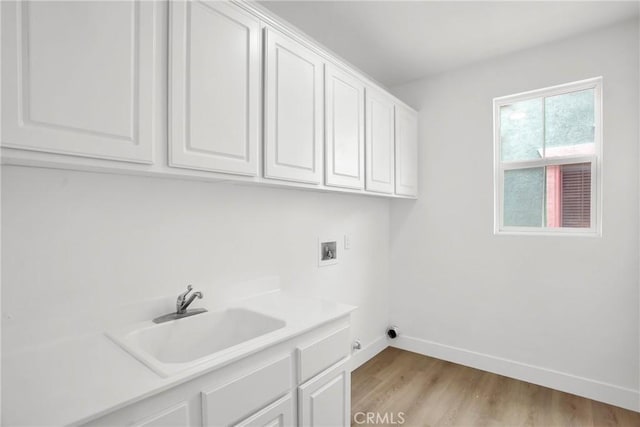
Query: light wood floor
(432, 392)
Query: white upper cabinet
(214, 84)
(380, 135)
(293, 110)
(406, 152)
(78, 78)
(243, 97)
(344, 139)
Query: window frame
(499, 167)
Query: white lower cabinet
(325, 399)
(226, 404)
(294, 383)
(278, 414)
(175, 416)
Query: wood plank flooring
(432, 392)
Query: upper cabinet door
(344, 140)
(78, 78)
(406, 152)
(293, 110)
(214, 83)
(379, 142)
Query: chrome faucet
(181, 304)
(181, 307)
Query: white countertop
(78, 380)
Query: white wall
(560, 311)
(82, 248)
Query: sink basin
(180, 344)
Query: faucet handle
(181, 299)
(183, 295)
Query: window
(548, 146)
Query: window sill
(548, 233)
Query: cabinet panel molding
(177, 415)
(278, 414)
(380, 136)
(235, 400)
(88, 91)
(325, 399)
(406, 152)
(214, 83)
(344, 139)
(316, 356)
(293, 104)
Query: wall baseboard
(367, 352)
(604, 392)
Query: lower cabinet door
(325, 400)
(278, 414)
(175, 416)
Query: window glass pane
(524, 197)
(568, 197)
(521, 130)
(541, 136)
(569, 124)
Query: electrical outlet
(347, 241)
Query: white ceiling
(399, 41)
